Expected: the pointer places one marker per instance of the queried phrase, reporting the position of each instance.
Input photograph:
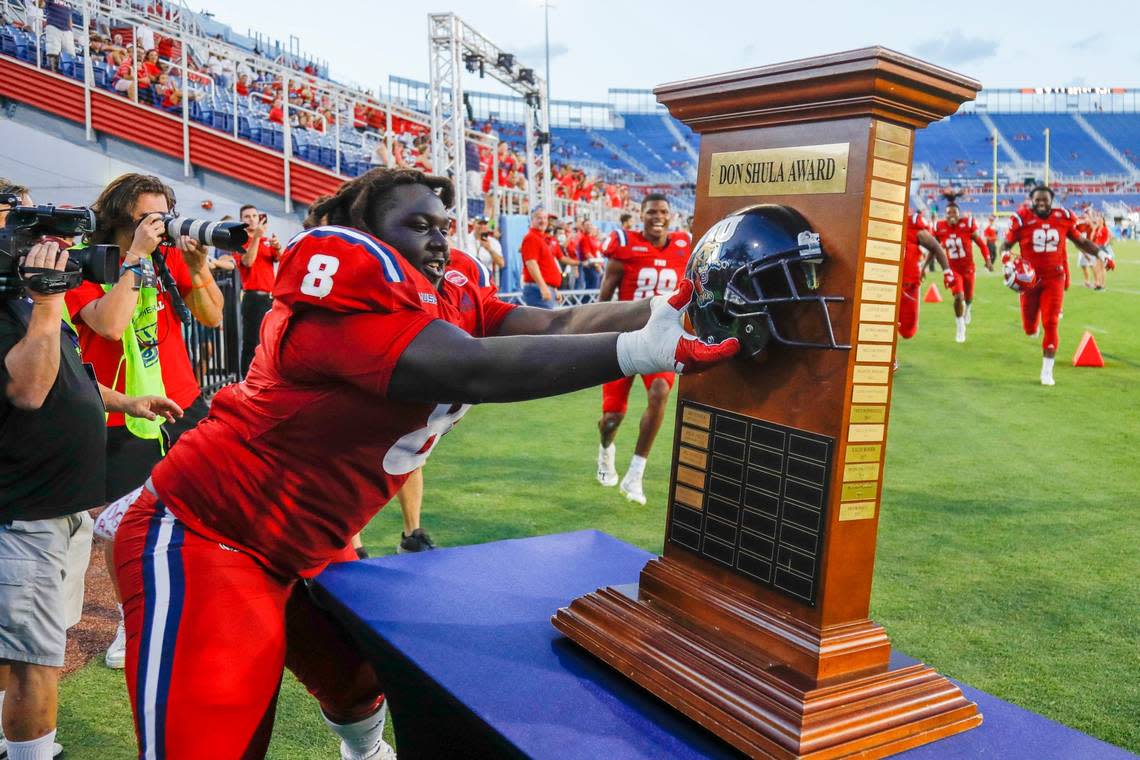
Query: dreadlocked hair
(361, 203)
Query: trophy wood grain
(872, 81)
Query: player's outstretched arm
(1082, 242)
(445, 365)
(930, 243)
(615, 316)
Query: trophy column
(754, 621)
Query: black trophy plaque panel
(751, 495)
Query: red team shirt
(105, 355)
(912, 258)
(307, 450)
(957, 241)
(260, 275)
(1042, 241)
(648, 270)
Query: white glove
(664, 346)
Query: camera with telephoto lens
(228, 236)
(25, 227)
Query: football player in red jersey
(1040, 232)
(371, 352)
(640, 265)
(957, 234)
(918, 237)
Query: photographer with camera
(52, 454)
(255, 265)
(131, 331)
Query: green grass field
(1009, 546)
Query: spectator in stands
(124, 79)
(626, 221)
(277, 112)
(152, 64)
(58, 36)
(541, 274)
(131, 335)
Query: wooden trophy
(754, 621)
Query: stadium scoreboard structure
(751, 495)
(754, 621)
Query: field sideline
(1007, 553)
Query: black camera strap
(171, 288)
(51, 281)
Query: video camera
(26, 225)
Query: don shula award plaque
(754, 621)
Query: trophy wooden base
(757, 701)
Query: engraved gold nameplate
(867, 471)
(694, 437)
(868, 413)
(869, 394)
(698, 459)
(874, 332)
(799, 170)
(696, 418)
(689, 497)
(691, 477)
(858, 510)
(882, 249)
(865, 453)
(856, 491)
(868, 374)
(877, 312)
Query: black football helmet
(756, 274)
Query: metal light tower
(455, 45)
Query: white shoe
(116, 657)
(1047, 378)
(967, 315)
(960, 333)
(382, 751)
(56, 748)
(607, 472)
(631, 488)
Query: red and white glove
(1107, 259)
(948, 279)
(664, 346)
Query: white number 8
(318, 282)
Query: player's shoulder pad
(469, 268)
(346, 270)
(680, 238)
(618, 245)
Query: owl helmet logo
(758, 277)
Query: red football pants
(615, 394)
(1043, 303)
(209, 631)
(963, 282)
(908, 309)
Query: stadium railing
(215, 352)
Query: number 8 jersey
(295, 460)
(648, 270)
(1042, 241)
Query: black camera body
(228, 236)
(26, 225)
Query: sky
(598, 44)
